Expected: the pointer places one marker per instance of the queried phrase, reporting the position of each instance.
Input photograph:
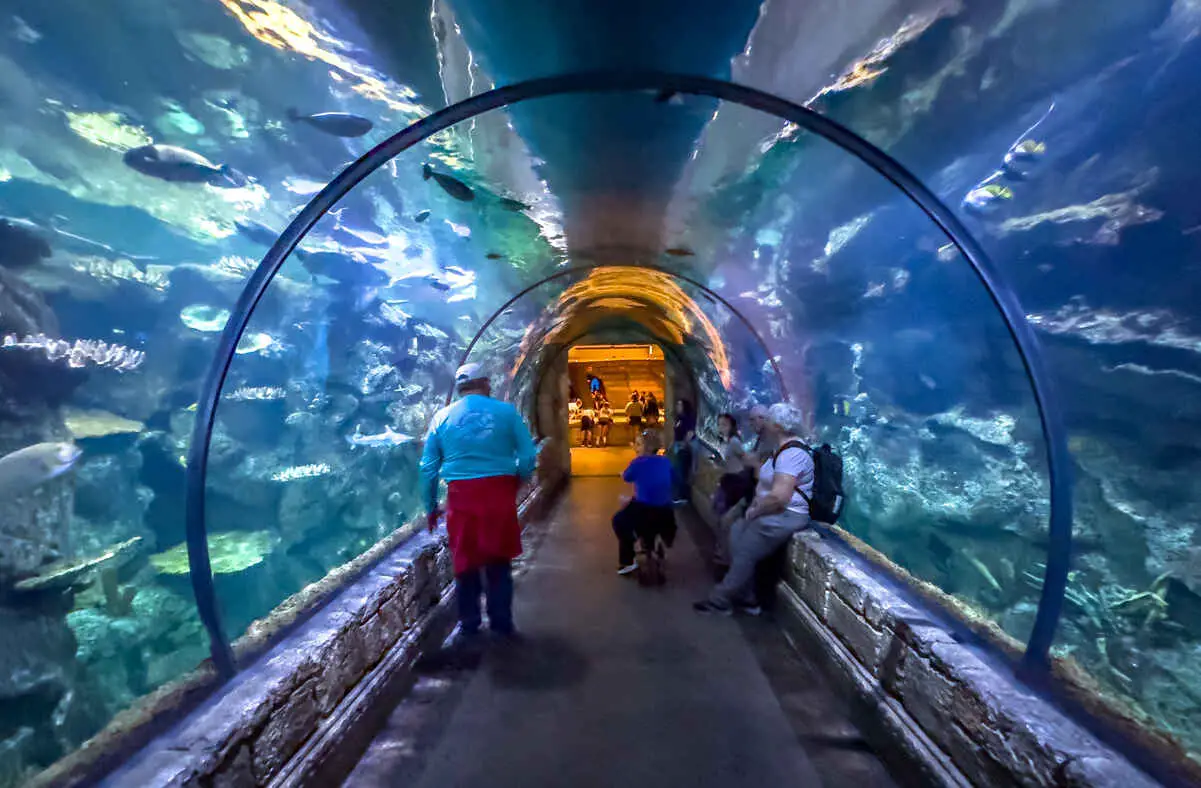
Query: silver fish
(386, 438)
(28, 468)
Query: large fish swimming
(179, 165)
(451, 185)
(339, 124)
(21, 245)
(28, 468)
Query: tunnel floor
(616, 684)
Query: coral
(80, 353)
(66, 574)
(98, 423)
(121, 270)
(229, 552)
(301, 472)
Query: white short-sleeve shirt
(795, 462)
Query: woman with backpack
(780, 509)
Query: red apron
(481, 520)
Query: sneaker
(679, 501)
(705, 606)
(628, 570)
(748, 610)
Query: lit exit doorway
(602, 439)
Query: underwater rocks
(37, 691)
(127, 656)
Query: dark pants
(499, 590)
(642, 521)
(683, 463)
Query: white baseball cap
(468, 373)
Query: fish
(205, 318)
(1025, 151)
(1021, 159)
(436, 283)
(421, 216)
(339, 124)
(386, 438)
(26, 469)
(343, 268)
(451, 185)
(179, 165)
(509, 204)
(257, 232)
(494, 256)
(678, 251)
(21, 245)
(987, 197)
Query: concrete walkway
(614, 685)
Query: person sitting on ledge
(779, 510)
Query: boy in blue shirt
(649, 516)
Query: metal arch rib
(1059, 461)
(579, 269)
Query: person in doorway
(483, 450)
(634, 414)
(604, 422)
(650, 410)
(596, 388)
(779, 510)
(587, 425)
(683, 434)
(648, 516)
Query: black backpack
(826, 504)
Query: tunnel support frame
(1059, 461)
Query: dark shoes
(708, 607)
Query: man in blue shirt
(483, 449)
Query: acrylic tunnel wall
(398, 303)
(1053, 141)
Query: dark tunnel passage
(995, 604)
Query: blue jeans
(499, 590)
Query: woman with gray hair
(780, 509)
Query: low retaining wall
(944, 712)
(249, 730)
(295, 716)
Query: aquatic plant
(80, 353)
(229, 552)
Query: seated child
(649, 516)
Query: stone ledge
(247, 732)
(967, 703)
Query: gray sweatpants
(750, 542)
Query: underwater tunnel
(229, 317)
